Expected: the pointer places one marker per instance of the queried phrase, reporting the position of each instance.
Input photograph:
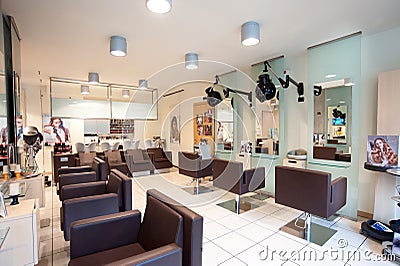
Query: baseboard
(365, 214)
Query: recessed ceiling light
(328, 99)
(191, 61)
(93, 78)
(159, 6)
(329, 76)
(342, 102)
(142, 84)
(118, 46)
(85, 89)
(250, 33)
(126, 93)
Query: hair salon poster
(383, 150)
(55, 130)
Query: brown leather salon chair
(115, 160)
(138, 161)
(82, 174)
(193, 165)
(161, 159)
(92, 199)
(230, 176)
(309, 190)
(177, 242)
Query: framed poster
(174, 129)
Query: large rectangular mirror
(332, 121)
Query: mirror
(332, 122)
(224, 125)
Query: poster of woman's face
(383, 150)
(55, 130)
(174, 130)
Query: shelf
(375, 167)
(337, 164)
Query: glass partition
(334, 72)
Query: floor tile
(213, 230)
(252, 215)
(271, 223)
(255, 232)
(284, 246)
(286, 214)
(233, 221)
(233, 262)
(350, 225)
(214, 255)
(215, 213)
(234, 243)
(257, 255)
(351, 237)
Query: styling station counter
(20, 238)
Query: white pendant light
(126, 93)
(118, 46)
(191, 61)
(159, 6)
(93, 78)
(142, 84)
(250, 33)
(85, 89)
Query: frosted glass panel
(80, 108)
(328, 64)
(124, 110)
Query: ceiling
(71, 38)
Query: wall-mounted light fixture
(85, 89)
(93, 78)
(142, 84)
(191, 61)
(265, 89)
(118, 46)
(250, 33)
(214, 97)
(126, 93)
(159, 6)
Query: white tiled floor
(250, 238)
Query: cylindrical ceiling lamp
(142, 84)
(85, 89)
(250, 33)
(159, 6)
(191, 61)
(93, 78)
(126, 93)
(118, 46)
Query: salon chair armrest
(170, 254)
(168, 154)
(100, 233)
(338, 194)
(83, 190)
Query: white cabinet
(21, 245)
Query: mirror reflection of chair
(193, 165)
(230, 176)
(312, 192)
(80, 147)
